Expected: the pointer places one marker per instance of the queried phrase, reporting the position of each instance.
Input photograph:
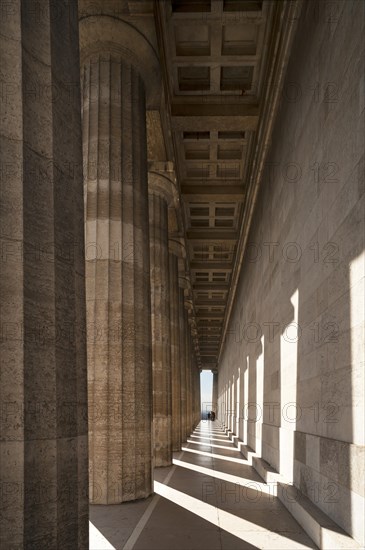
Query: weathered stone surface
(175, 350)
(43, 390)
(302, 278)
(183, 354)
(117, 280)
(265, 254)
(160, 315)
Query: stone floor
(210, 499)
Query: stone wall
(291, 382)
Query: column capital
(177, 247)
(163, 167)
(188, 303)
(105, 35)
(184, 281)
(162, 182)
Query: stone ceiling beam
(208, 302)
(210, 286)
(216, 122)
(208, 266)
(204, 109)
(209, 193)
(216, 236)
(211, 315)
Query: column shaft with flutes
(160, 311)
(117, 279)
(43, 386)
(175, 351)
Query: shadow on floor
(203, 502)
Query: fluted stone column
(43, 423)
(193, 389)
(183, 317)
(117, 266)
(160, 196)
(198, 414)
(215, 393)
(193, 404)
(175, 347)
(195, 397)
(196, 376)
(189, 390)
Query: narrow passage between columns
(211, 498)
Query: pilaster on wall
(294, 351)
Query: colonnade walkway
(209, 499)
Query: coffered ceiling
(223, 66)
(215, 57)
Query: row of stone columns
(129, 406)
(139, 341)
(176, 392)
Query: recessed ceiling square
(236, 78)
(229, 152)
(194, 136)
(197, 151)
(190, 6)
(228, 170)
(194, 79)
(192, 40)
(242, 5)
(239, 39)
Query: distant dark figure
(212, 415)
(209, 416)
